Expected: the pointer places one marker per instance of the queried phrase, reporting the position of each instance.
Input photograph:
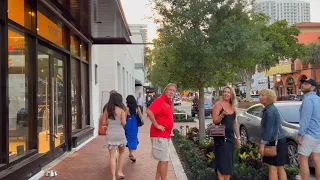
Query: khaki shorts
(309, 145)
(160, 149)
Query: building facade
(121, 67)
(294, 11)
(292, 71)
(49, 86)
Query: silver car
(250, 121)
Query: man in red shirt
(160, 113)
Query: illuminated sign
(49, 30)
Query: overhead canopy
(102, 21)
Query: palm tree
(312, 57)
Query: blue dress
(131, 131)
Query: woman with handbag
(134, 118)
(224, 116)
(273, 146)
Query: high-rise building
(143, 28)
(294, 11)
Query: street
(186, 107)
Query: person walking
(140, 101)
(160, 112)
(272, 132)
(224, 112)
(309, 131)
(131, 128)
(114, 117)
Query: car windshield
(208, 101)
(290, 113)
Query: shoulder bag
(271, 151)
(218, 130)
(139, 120)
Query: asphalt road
(186, 107)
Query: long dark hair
(132, 104)
(115, 100)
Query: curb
(177, 166)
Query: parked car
(254, 98)
(176, 101)
(298, 98)
(250, 120)
(207, 108)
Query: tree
(312, 57)
(198, 43)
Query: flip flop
(132, 158)
(122, 177)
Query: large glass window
(84, 51)
(18, 92)
(85, 94)
(20, 12)
(75, 94)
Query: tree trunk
(314, 72)
(248, 86)
(202, 123)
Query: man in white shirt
(140, 101)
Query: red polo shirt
(163, 113)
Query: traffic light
(9, 62)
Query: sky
(137, 11)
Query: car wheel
(292, 153)
(243, 134)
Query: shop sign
(282, 69)
(49, 30)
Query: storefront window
(18, 93)
(75, 94)
(84, 51)
(49, 28)
(85, 94)
(20, 12)
(75, 45)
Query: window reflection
(85, 94)
(75, 45)
(75, 94)
(18, 93)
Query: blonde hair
(233, 100)
(170, 84)
(271, 95)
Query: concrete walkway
(92, 162)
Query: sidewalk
(92, 162)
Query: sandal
(132, 158)
(122, 177)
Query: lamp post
(278, 76)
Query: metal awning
(138, 82)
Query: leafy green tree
(312, 57)
(198, 43)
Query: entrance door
(51, 101)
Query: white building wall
(94, 93)
(115, 67)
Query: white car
(176, 101)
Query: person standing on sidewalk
(115, 117)
(160, 113)
(140, 101)
(309, 132)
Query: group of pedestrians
(122, 126)
(272, 134)
(122, 129)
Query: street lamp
(278, 76)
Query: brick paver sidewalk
(91, 162)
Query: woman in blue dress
(131, 128)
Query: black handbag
(140, 121)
